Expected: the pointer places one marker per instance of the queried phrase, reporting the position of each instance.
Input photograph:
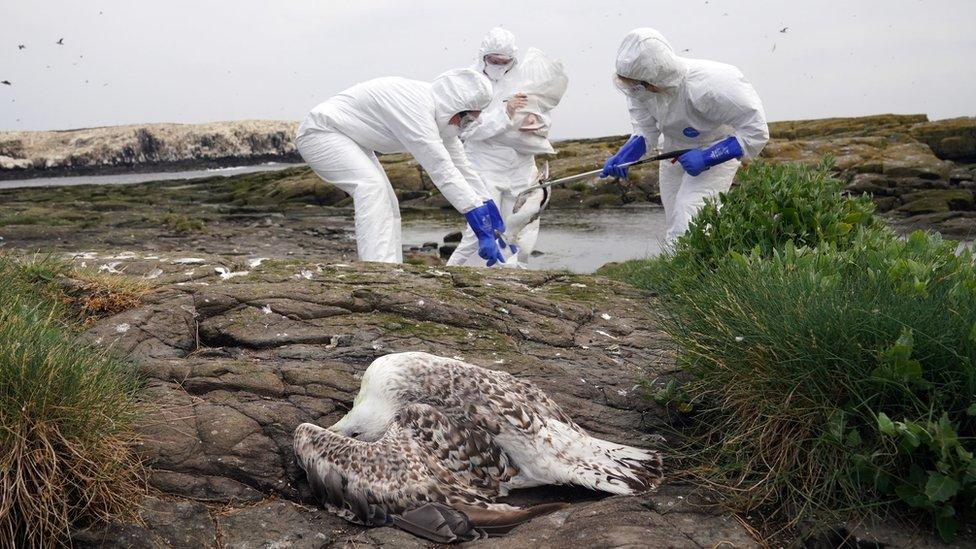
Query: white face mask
(634, 90)
(466, 121)
(455, 130)
(496, 72)
(642, 94)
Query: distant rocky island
(145, 147)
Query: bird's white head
(372, 410)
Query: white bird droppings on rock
(110, 267)
(738, 339)
(189, 261)
(256, 262)
(421, 303)
(226, 273)
(122, 328)
(604, 334)
(621, 392)
(605, 316)
(578, 285)
(266, 309)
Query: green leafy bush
(772, 205)
(832, 364)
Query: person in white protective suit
(339, 140)
(503, 142)
(681, 103)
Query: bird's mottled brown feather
(424, 456)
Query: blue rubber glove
(696, 161)
(633, 149)
(480, 221)
(497, 223)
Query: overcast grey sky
(128, 61)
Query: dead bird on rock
(431, 430)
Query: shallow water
(577, 240)
(130, 178)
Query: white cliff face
(147, 144)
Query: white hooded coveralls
(505, 170)
(339, 140)
(702, 102)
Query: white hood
(459, 90)
(498, 41)
(645, 55)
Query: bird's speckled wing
(455, 448)
(485, 397)
(424, 457)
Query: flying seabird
(60, 42)
(6, 82)
(425, 428)
(21, 47)
(783, 30)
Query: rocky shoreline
(157, 167)
(921, 173)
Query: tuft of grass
(92, 296)
(795, 359)
(87, 295)
(67, 454)
(181, 224)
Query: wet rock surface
(906, 163)
(234, 364)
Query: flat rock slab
(235, 362)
